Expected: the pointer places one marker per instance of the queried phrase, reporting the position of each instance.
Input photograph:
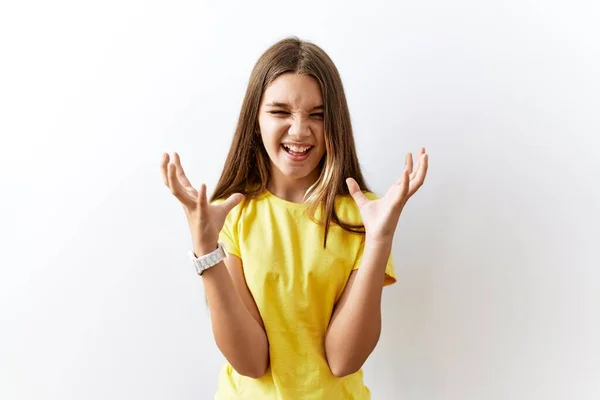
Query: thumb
(232, 201)
(358, 196)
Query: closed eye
(283, 113)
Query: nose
(299, 128)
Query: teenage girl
(296, 303)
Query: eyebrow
(286, 105)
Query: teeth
(297, 149)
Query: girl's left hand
(380, 216)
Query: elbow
(250, 360)
(340, 370)
(254, 373)
(254, 370)
(341, 366)
(347, 360)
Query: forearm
(354, 332)
(238, 335)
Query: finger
(414, 173)
(358, 196)
(231, 202)
(176, 188)
(416, 183)
(172, 181)
(202, 201)
(409, 162)
(408, 165)
(180, 173)
(422, 171)
(405, 184)
(163, 168)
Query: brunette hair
(247, 167)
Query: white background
(498, 293)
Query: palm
(205, 220)
(380, 216)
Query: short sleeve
(390, 273)
(229, 234)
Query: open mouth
(296, 153)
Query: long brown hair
(247, 168)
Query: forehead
(299, 91)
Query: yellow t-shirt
(295, 283)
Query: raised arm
(355, 324)
(237, 327)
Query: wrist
(201, 249)
(376, 254)
(380, 242)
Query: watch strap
(206, 261)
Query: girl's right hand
(205, 220)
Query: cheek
(272, 127)
(319, 133)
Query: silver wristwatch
(211, 259)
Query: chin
(295, 173)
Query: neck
(291, 189)
(295, 195)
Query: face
(291, 126)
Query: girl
(296, 303)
